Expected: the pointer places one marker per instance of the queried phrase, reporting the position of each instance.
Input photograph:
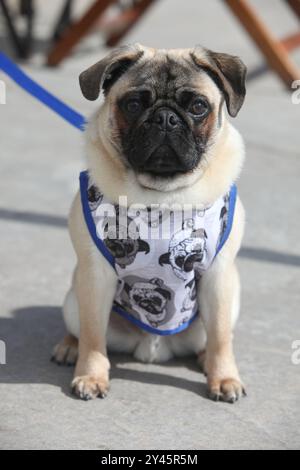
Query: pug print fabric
(159, 254)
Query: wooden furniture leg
(64, 20)
(134, 14)
(291, 42)
(22, 43)
(76, 31)
(275, 52)
(295, 5)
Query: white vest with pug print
(158, 255)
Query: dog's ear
(143, 246)
(164, 259)
(106, 72)
(228, 72)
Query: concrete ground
(149, 406)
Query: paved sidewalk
(149, 406)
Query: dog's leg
(219, 306)
(95, 288)
(94, 285)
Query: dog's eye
(199, 107)
(133, 106)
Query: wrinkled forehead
(166, 73)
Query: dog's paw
(66, 352)
(88, 387)
(228, 390)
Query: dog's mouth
(164, 163)
(165, 175)
(165, 171)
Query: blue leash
(63, 110)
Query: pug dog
(124, 247)
(149, 298)
(161, 135)
(186, 249)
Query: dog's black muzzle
(163, 145)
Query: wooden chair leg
(64, 20)
(77, 30)
(136, 12)
(18, 42)
(274, 51)
(291, 42)
(295, 5)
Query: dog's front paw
(228, 390)
(88, 387)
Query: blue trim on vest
(89, 218)
(232, 201)
(29, 85)
(151, 329)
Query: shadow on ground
(33, 331)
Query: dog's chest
(158, 258)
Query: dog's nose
(166, 119)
